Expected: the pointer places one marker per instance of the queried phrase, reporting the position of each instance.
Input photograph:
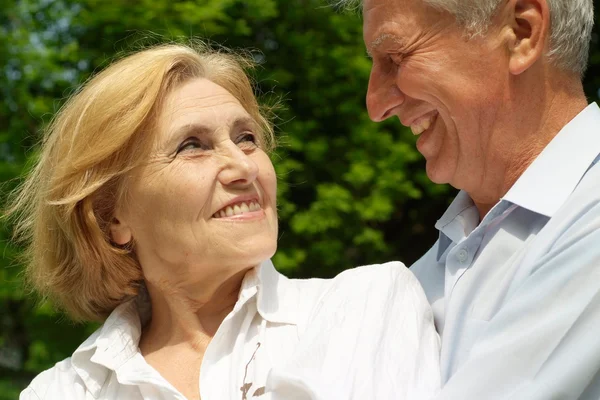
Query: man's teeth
(237, 209)
(421, 125)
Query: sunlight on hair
(63, 209)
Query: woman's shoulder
(388, 284)
(369, 334)
(59, 382)
(362, 290)
(390, 276)
(86, 373)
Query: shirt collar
(545, 184)
(117, 340)
(114, 343)
(554, 174)
(457, 222)
(276, 298)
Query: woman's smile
(241, 211)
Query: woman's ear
(120, 233)
(529, 21)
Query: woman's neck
(185, 317)
(188, 317)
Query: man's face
(449, 90)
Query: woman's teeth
(422, 124)
(237, 209)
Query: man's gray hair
(571, 25)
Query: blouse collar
(117, 341)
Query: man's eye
(396, 58)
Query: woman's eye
(247, 139)
(190, 144)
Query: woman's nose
(383, 95)
(238, 167)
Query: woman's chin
(263, 254)
(252, 252)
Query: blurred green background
(351, 192)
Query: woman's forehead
(200, 102)
(199, 93)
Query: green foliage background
(351, 192)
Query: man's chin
(437, 173)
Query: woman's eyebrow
(193, 129)
(199, 130)
(244, 121)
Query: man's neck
(559, 103)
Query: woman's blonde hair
(63, 209)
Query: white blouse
(366, 334)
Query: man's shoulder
(587, 193)
(581, 210)
(59, 382)
(571, 234)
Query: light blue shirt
(516, 298)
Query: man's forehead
(382, 20)
(368, 5)
(395, 23)
(379, 13)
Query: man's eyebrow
(381, 39)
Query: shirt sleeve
(543, 343)
(371, 336)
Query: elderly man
(492, 89)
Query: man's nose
(238, 167)
(383, 95)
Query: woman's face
(204, 206)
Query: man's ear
(120, 233)
(529, 23)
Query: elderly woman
(152, 207)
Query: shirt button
(462, 255)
